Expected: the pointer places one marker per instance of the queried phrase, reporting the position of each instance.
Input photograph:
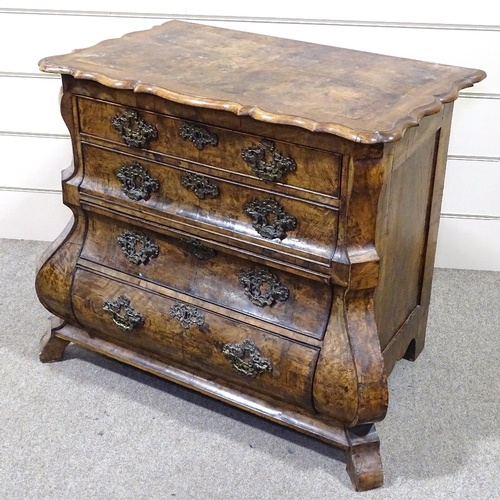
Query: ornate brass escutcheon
(246, 358)
(137, 247)
(269, 169)
(197, 249)
(122, 314)
(199, 135)
(269, 218)
(201, 186)
(137, 184)
(187, 315)
(134, 131)
(263, 288)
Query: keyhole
(133, 126)
(246, 358)
(271, 218)
(138, 247)
(264, 289)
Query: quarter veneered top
(360, 96)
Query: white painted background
(34, 144)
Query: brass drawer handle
(197, 249)
(201, 186)
(187, 315)
(267, 162)
(122, 314)
(134, 131)
(137, 184)
(269, 218)
(246, 358)
(137, 247)
(263, 288)
(199, 135)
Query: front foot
(52, 347)
(364, 464)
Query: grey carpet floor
(92, 428)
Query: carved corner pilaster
(351, 357)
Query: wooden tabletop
(357, 95)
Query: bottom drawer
(193, 338)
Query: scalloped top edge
(380, 136)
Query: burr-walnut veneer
(254, 218)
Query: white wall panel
(110, 7)
(469, 244)
(32, 215)
(472, 188)
(57, 35)
(31, 105)
(33, 162)
(474, 130)
(427, 11)
(362, 10)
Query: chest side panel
(407, 226)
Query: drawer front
(275, 163)
(195, 339)
(279, 222)
(193, 267)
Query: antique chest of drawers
(254, 218)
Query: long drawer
(281, 223)
(274, 163)
(193, 338)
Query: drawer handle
(137, 184)
(269, 218)
(263, 288)
(122, 314)
(267, 162)
(197, 249)
(201, 186)
(137, 247)
(246, 358)
(200, 136)
(187, 315)
(134, 131)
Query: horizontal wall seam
(30, 190)
(446, 215)
(37, 135)
(491, 159)
(478, 95)
(274, 20)
(14, 74)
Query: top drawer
(271, 162)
